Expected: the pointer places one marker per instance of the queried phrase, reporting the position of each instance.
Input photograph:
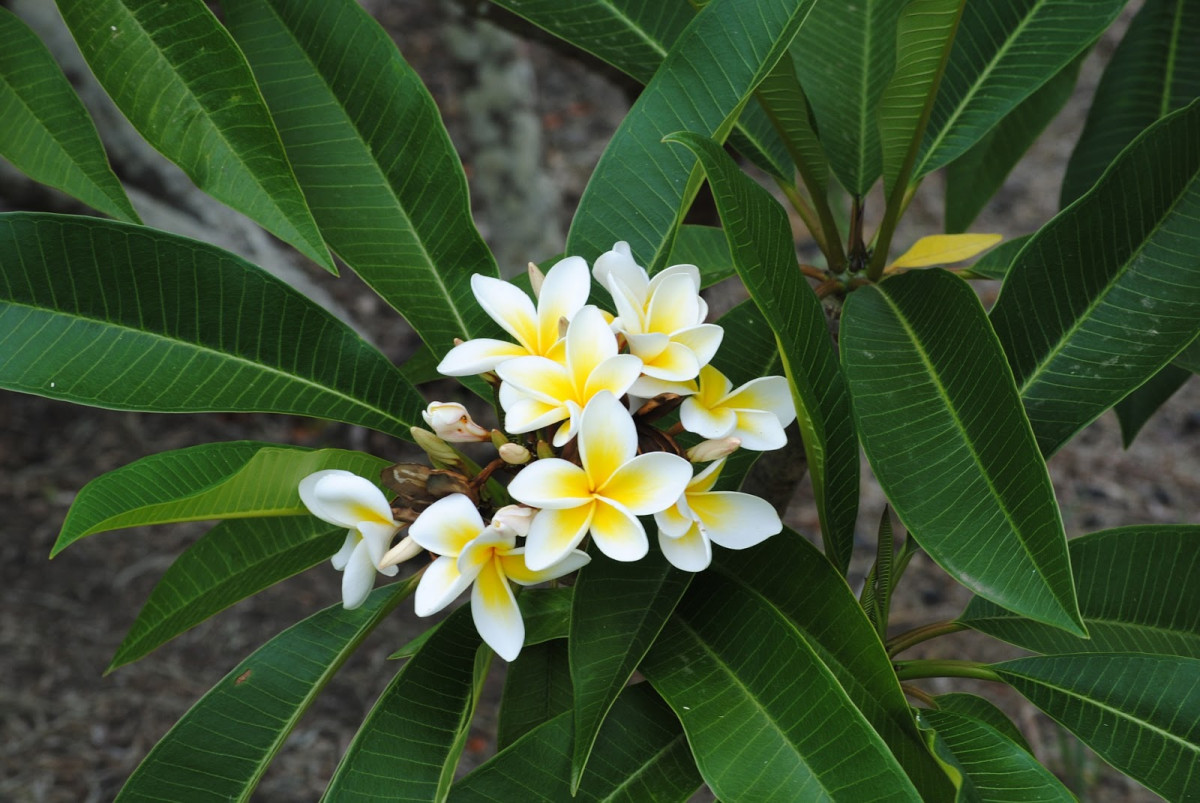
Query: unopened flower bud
(440, 453)
(451, 422)
(536, 277)
(407, 549)
(544, 450)
(714, 449)
(515, 454)
(498, 439)
(514, 519)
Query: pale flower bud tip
(515, 454)
(714, 449)
(536, 277)
(514, 519)
(407, 549)
(453, 424)
(438, 450)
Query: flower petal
(647, 387)
(714, 386)
(358, 579)
(618, 533)
(525, 414)
(690, 551)
(769, 393)
(478, 356)
(649, 345)
(705, 421)
(691, 271)
(760, 431)
(447, 526)
(539, 377)
(676, 363)
(508, 306)
(706, 479)
(648, 483)
(735, 520)
(616, 375)
(515, 569)
(674, 521)
(564, 292)
(589, 343)
(345, 499)
(703, 340)
(554, 533)
(607, 438)
(551, 483)
(479, 551)
(340, 557)
(674, 305)
(495, 611)
(619, 263)
(440, 585)
(377, 537)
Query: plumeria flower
(730, 519)
(354, 502)
(662, 318)
(536, 330)
(604, 496)
(756, 413)
(451, 422)
(538, 391)
(486, 556)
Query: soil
(70, 733)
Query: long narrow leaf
(47, 133)
(537, 688)
(113, 315)
(1135, 410)
(373, 157)
(180, 79)
(943, 427)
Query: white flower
(451, 422)
(564, 291)
(604, 496)
(756, 413)
(354, 502)
(662, 318)
(538, 391)
(486, 556)
(730, 519)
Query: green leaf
(943, 427)
(999, 770)
(759, 706)
(996, 263)
(985, 711)
(1137, 593)
(845, 55)
(1155, 70)
(924, 33)
(706, 248)
(640, 186)
(233, 561)
(617, 612)
(113, 315)
(1189, 358)
(409, 744)
(537, 689)
(763, 251)
(973, 178)
(787, 572)
(223, 744)
(640, 755)
(1140, 713)
(785, 104)
(1108, 292)
(180, 79)
(1003, 51)
(47, 133)
(211, 481)
(1135, 410)
(374, 159)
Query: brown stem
(813, 272)
(829, 287)
(488, 470)
(918, 694)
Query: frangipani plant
(661, 661)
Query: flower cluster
(580, 392)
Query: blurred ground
(530, 124)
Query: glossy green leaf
(944, 430)
(211, 481)
(1003, 51)
(183, 83)
(783, 99)
(985, 711)
(641, 755)
(47, 133)
(924, 36)
(706, 248)
(410, 742)
(996, 263)
(1108, 292)
(617, 612)
(1137, 593)
(221, 747)
(845, 56)
(233, 561)
(763, 251)
(1135, 410)
(999, 770)
(1189, 358)
(120, 316)
(787, 572)
(537, 688)
(765, 717)
(640, 186)
(975, 177)
(1155, 70)
(1140, 713)
(370, 150)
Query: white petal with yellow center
(733, 519)
(705, 421)
(564, 292)
(495, 612)
(690, 552)
(769, 393)
(507, 305)
(478, 356)
(617, 532)
(440, 585)
(607, 439)
(345, 499)
(648, 483)
(673, 305)
(551, 483)
(512, 563)
(759, 431)
(447, 526)
(358, 578)
(555, 533)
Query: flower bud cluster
(582, 465)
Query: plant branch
(911, 638)
(945, 668)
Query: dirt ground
(67, 733)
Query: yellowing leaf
(944, 249)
